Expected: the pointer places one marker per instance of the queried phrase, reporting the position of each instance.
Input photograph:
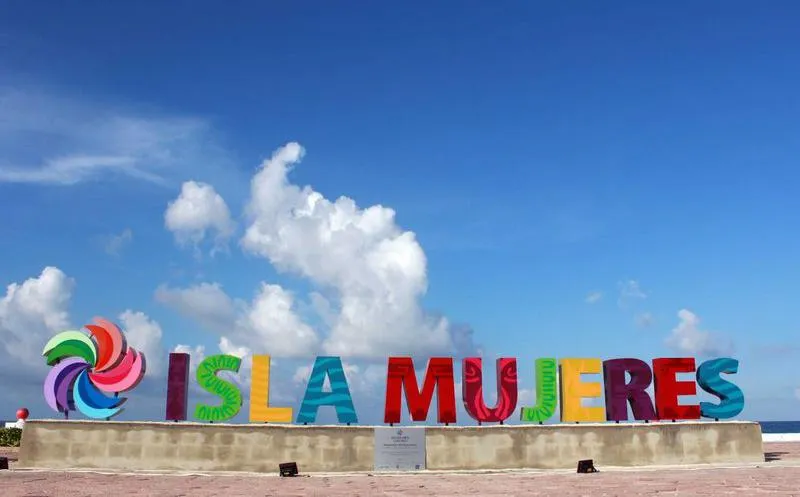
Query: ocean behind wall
(780, 431)
(780, 426)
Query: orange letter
(573, 390)
(260, 411)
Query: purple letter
(618, 393)
(177, 386)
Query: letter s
(731, 397)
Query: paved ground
(779, 476)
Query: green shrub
(10, 437)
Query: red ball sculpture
(23, 413)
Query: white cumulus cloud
(372, 272)
(197, 212)
(31, 312)
(689, 338)
(206, 303)
(267, 324)
(144, 335)
(272, 321)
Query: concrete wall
(254, 447)
(561, 446)
(194, 446)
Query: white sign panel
(399, 448)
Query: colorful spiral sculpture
(87, 367)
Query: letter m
(438, 376)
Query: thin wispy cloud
(594, 297)
(54, 140)
(780, 350)
(116, 243)
(630, 291)
(644, 320)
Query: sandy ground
(780, 475)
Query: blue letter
(731, 396)
(339, 396)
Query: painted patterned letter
(668, 388)
(619, 393)
(230, 393)
(731, 397)
(260, 411)
(573, 390)
(339, 396)
(546, 392)
(177, 387)
(472, 390)
(401, 376)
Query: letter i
(177, 387)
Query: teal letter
(731, 396)
(339, 396)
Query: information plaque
(399, 448)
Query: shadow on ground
(773, 456)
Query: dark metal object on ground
(288, 469)
(587, 466)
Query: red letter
(177, 386)
(400, 375)
(668, 388)
(472, 390)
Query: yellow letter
(573, 390)
(260, 410)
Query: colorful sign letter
(731, 396)
(260, 411)
(573, 390)
(546, 392)
(339, 396)
(227, 391)
(401, 376)
(177, 386)
(472, 390)
(87, 366)
(668, 388)
(619, 393)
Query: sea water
(780, 431)
(780, 426)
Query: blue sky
(540, 153)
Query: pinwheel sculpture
(90, 370)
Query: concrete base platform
(163, 446)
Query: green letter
(208, 381)
(546, 392)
